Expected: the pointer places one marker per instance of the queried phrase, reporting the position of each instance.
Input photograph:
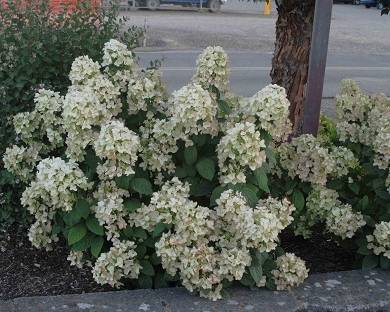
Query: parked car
(375, 3)
(347, 1)
(212, 5)
(369, 3)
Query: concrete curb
(339, 291)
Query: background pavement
(359, 45)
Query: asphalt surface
(359, 46)
(250, 70)
(241, 26)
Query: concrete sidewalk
(340, 291)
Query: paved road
(250, 70)
(355, 29)
(359, 45)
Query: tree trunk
(290, 63)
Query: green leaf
(270, 157)
(298, 200)
(147, 268)
(202, 188)
(270, 284)
(365, 202)
(82, 208)
(247, 192)
(159, 228)
(256, 272)
(150, 242)
(335, 184)
(190, 155)
(141, 186)
(370, 262)
(216, 194)
(140, 233)
(180, 172)
(145, 281)
(154, 259)
(206, 168)
(76, 233)
(224, 107)
(71, 218)
(141, 251)
(369, 220)
(82, 244)
(160, 281)
(384, 263)
(132, 205)
(190, 170)
(96, 246)
(123, 182)
(261, 178)
(94, 226)
(354, 187)
(363, 250)
(247, 280)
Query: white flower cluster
(109, 209)
(212, 68)
(306, 158)
(84, 70)
(206, 247)
(163, 205)
(352, 108)
(119, 262)
(366, 120)
(44, 123)
(119, 63)
(193, 111)
(379, 241)
(91, 101)
(290, 272)
(379, 123)
(146, 92)
(241, 148)
(76, 258)
(323, 205)
(158, 144)
(342, 221)
(270, 109)
(345, 160)
(21, 161)
(54, 189)
(119, 147)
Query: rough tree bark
(292, 50)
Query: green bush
(150, 189)
(37, 48)
(351, 200)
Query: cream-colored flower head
(212, 68)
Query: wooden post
(317, 64)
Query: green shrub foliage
(351, 198)
(37, 48)
(150, 189)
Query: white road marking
(268, 68)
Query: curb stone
(327, 292)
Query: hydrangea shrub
(341, 178)
(150, 189)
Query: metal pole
(317, 64)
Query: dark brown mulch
(320, 252)
(26, 271)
